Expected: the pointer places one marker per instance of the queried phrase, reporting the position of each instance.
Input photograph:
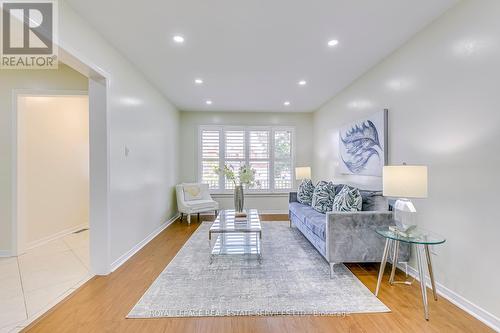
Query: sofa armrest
(351, 236)
(292, 197)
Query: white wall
(190, 122)
(62, 79)
(52, 166)
(140, 120)
(442, 92)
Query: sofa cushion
(316, 222)
(323, 196)
(347, 200)
(305, 192)
(374, 201)
(313, 220)
(300, 210)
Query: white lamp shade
(405, 181)
(302, 173)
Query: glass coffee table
(421, 239)
(236, 235)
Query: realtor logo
(28, 34)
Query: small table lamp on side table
(403, 182)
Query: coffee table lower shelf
(248, 244)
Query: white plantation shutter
(210, 154)
(259, 144)
(269, 151)
(282, 159)
(235, 145)
(235, 149)
(259, 157)
(210, 146)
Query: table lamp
(302, 173)
(404, 182)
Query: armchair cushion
(192, 192)
(201, 204)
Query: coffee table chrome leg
(421, 275)
(431, 273)
(259, 240)
(395, 255)
(382, 265)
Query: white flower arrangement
(245, 175)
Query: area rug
(292, 279)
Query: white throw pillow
(192, 192)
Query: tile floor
(33, 282)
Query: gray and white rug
(293, 278)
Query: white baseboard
(5, 253)
(274, 211)
(120, 261)
(464, 304)
(50, 238)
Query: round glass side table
(421, 239)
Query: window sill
(253, 194)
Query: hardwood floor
(102, 303)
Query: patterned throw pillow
(348, 200)
(192, 192)
(323, 196)
(305, 192)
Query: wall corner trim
(126, 256)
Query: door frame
(99, 178)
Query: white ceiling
(252, 53)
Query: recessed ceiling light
(333, 42)
(302, 82)
(198, 81)
(287, 103)
(208, 102)
(178, 39)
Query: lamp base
(404, 214)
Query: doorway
(52, 197)
(52, 167)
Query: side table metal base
(421, 251)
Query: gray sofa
(346, 236)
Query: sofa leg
(332, 264)
(189, 219)
(216, 213)
(198, 217)
(182, 216)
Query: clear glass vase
(239, 198)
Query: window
(269, 151)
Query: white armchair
(194, 198)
